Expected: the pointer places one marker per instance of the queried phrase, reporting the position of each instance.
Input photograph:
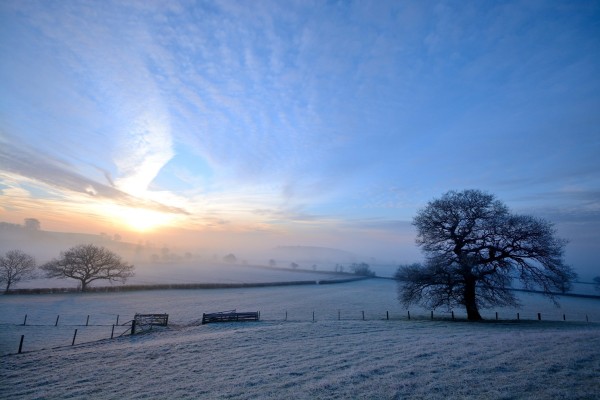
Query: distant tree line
(362, 269)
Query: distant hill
(45, 245)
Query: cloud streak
(298, 116)
(42, 168)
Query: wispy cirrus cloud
(37, 167)
(302, 115)
(102, 56)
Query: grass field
(296, 358)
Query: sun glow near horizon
(152, 126)
(139, 219)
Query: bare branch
(88, 263)
(474, 247)
(15, 266)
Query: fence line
(340, 314)
(56, 322)
(130, 330)
(285, 315)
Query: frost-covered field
(196, 272)
(297, 358)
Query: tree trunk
(83, 286)
(470, 301)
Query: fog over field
(296, 358)
(300, 159)
(157, 262)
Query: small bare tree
(230, 258)
(32, 224)
(15, 266)
(362, 269)
(88, 263)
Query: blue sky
(326, 123)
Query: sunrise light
(138, 219)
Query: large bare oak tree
(15, 266)
(474, 248)
(88, 263)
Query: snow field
(328, 359)
(185, 307)
(148, 273)
(274, 359)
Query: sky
(316, 123)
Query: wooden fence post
(112, 332)
(539, 316)
(518, 317)
(286, 315)
(133, 327)
(339, 315)
(496, 315)
(87, 321)
(117, 320)
(21, 343)
(363, 315)
(409, 315)
(56, 323)
(25, 320)
(74, 336)
(432, 315)
(564, 317)
(313, 316)
(387, 315)
(586, 318)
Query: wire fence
(407, 315)
(41, 333)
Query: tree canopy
(362, 269)
(15, 266)
(87, 263)
(474, 248)
(230, 258)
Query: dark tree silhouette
(32, 224)
(474, 248)
(230, 258)
(362, 269)
(88, 263)
(15, 266)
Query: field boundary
(566, 294)
(170, 286)
(287, 317)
